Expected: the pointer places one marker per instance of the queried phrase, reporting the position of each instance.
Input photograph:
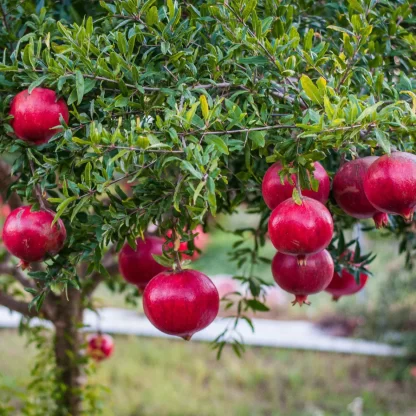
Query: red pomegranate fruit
(138, 266)
(390, 184)
(181, 303)
(348, 190)
(300, 230)
(274, 191)
(304, 280)
(36, 114)
(30, 236)
(344, 284)
(100, 346)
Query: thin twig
(92, 192)
(38, 191)
(269, 56)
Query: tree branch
(277, 92)
(17, 306)
(48, 308)
(7, 268)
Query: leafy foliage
(188, 104)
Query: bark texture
(68, 321)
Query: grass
(149, 377)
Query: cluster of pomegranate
(179, 302)
(27, 234)
(300, 233)
(370, 187)
(183, 302)
(138, 266)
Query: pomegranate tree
(100, 346)
(390, 184)
(348, 190)
(303, 280)
(300, 229)
(194, 119)
(138, 266)
(30, 235)
(274, 191)
(36, 113)
(181, 303)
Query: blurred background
(149, 376)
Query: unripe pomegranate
(35, 115)
(300, 230)
(345, 284)
(30, 236)
(390, 184)
(348, 190)
(138, 266)
(181, 303)
(274, 191)
(100, 346)
(313, 277)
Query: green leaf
(79, 84)
(122, 43)
(87, 175)
(254, 60)
(218, 142)
(341, 29)
(355, 4)
(152, 16)
(164, 261)
(250, 6)
(89, 26)
(212, 199)
(369, 111)
(198, 191)
(413, 96)
(256, 305)
(188, 166)
(204, 106)
(311, 90)
(308, 40)
(36, 83)
(61, 208)
(147, 5)
(171, 8)
(258, 137)
(382, 140)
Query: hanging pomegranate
(274, 191)
(348, 190)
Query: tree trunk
(67, 353)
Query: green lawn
(175, 378)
